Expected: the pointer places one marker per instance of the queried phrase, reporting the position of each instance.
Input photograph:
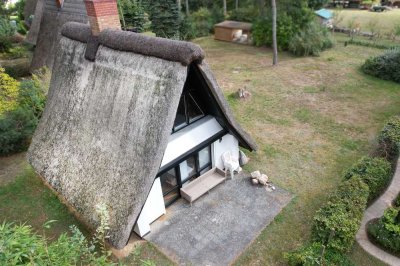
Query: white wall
(227, 143)
(186, 139)
(152, 209)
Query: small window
(188, 111)
(193, 110)
(180, 119)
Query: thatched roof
(107, 122)
(29, 8)
(46, 28)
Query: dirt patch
(11, 167)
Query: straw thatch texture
(104, 131)
(48, 32)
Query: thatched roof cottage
(130, 120)
(45, 29)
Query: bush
(187, 30)
(17, 125)
(375, 172)
(16, 130)
(262, 31)
(396, 201)
(311, 41)
(389, 138)
(310, 255)
(21, 246)
(386, 230)
(9, 89)
(6, 29)
(247, 14)
(386, 66)
(203, 22)
(336, 223)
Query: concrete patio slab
(220, 225)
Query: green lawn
(311, 117)
(385, 20)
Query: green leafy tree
(165, 18)
(132, 14)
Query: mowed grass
(312, 118)
(385, 20)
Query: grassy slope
(312, 118)
(386, 20)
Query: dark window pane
(180, 119)
(168, 181)
(194, 111)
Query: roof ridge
(171, 50)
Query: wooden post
(274, 41)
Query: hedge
(386, 66)
(337, 222)
(375, 172)
(386, 230)
(389, 138)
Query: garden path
(375, 211)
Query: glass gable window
(189, 110)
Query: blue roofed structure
(324, 13)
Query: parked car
(380, 8)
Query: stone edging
(376, 211)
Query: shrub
(375, 172)
(247, 14)
(6, 29)
(16, 129)
(262, 31)
(203, 22)
(386, 230)
(396, 201)
(18, 125)
(389, 138)
(311, 41)
(310, 255)
(187, 30)
(386, 66)
(9, 89)
(336, 223)
(21, 246)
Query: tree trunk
(187, 7)
(178, 2)
(274, 41)
(225, 11)
(237, 4)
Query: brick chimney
(103, 14)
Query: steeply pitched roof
(107, 122)
(324, 13)
(46, 28)
(230, 24)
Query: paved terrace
(218, 226)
